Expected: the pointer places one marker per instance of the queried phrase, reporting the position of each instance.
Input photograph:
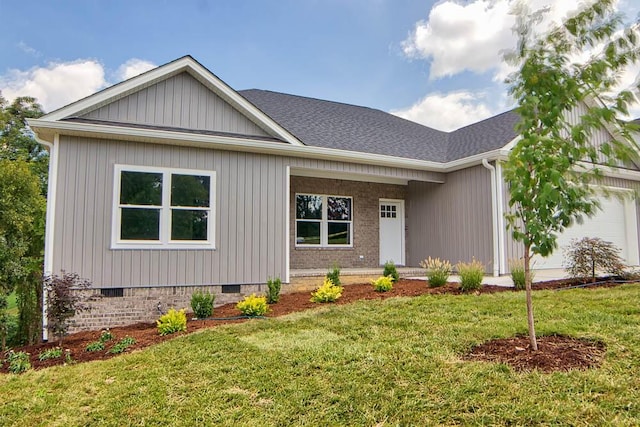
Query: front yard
(388, 362)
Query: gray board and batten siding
(250, 204)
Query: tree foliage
(586, 257)
(562, 103)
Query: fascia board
(198, 71)
(228, 143)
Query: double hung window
(163, 208)
(324, 221)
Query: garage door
(615, 222)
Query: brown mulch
(146, 334)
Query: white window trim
(324, 223)
(165, 211)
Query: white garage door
(615, 222)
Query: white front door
(391, 215)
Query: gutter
(49, 223)
(494, 217)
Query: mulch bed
(552, 354)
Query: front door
(391, 215)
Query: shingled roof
(328, 124)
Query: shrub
(64, 300)
(471, 275)
(438, 271)
(202, 304)
(334, 275)
(122, 345)
(273, 290)
(171, 322)
(383, 283)
(95, 346)
(586, 256)
(390, 270)
(517, 273)
(253, 305)
(328, 292)
(18, 362)
(50, 353)
(106, 335)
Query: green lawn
(12, 309)
(392, 362)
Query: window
(388, 211)
(163, 208)
(323, 220)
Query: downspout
(49, 224)
(501, 227)
(494, 214)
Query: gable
(180, 101)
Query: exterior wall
(453, 220)
(180, 101)
(365, 216)
(250, 224)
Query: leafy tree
(549, 169)
(66, 296)
(23, 184)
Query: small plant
(438, 271)
(171, 322)
(64, 300)
(105, 336)
(334, 275)
(390, 270)
(471, 275)
(328, 292)
(253, 305)
(50, 353)
(273, 290)
(95, 346)
(18, 362)
(122, 345)
(517, 273)
(383, 283)
(68, 360)
(202, 304)
(585, 257)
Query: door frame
(401, 214)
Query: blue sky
(433, 62)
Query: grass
(392, 362)
(12, 308)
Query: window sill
(324, 248)
(163, 247)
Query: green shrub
(471, 275)
(171, 322)
(273, 290)
(328, 292)
(105, 336)
(95, 346)
(253, 305)
(202, 304)
(18, 362)
(383, 283)
(517, 273)
(50, 353)
(587, 256)
(438, 271)
(390, 270)
(334, 275)
(122, 345)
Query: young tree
(550, 168)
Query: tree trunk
(527, 281)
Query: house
(173, 181)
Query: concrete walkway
(418, 273)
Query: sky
(435, 62)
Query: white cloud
(60, 83)
(473, 36)
(133, 67)
(449, 111)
